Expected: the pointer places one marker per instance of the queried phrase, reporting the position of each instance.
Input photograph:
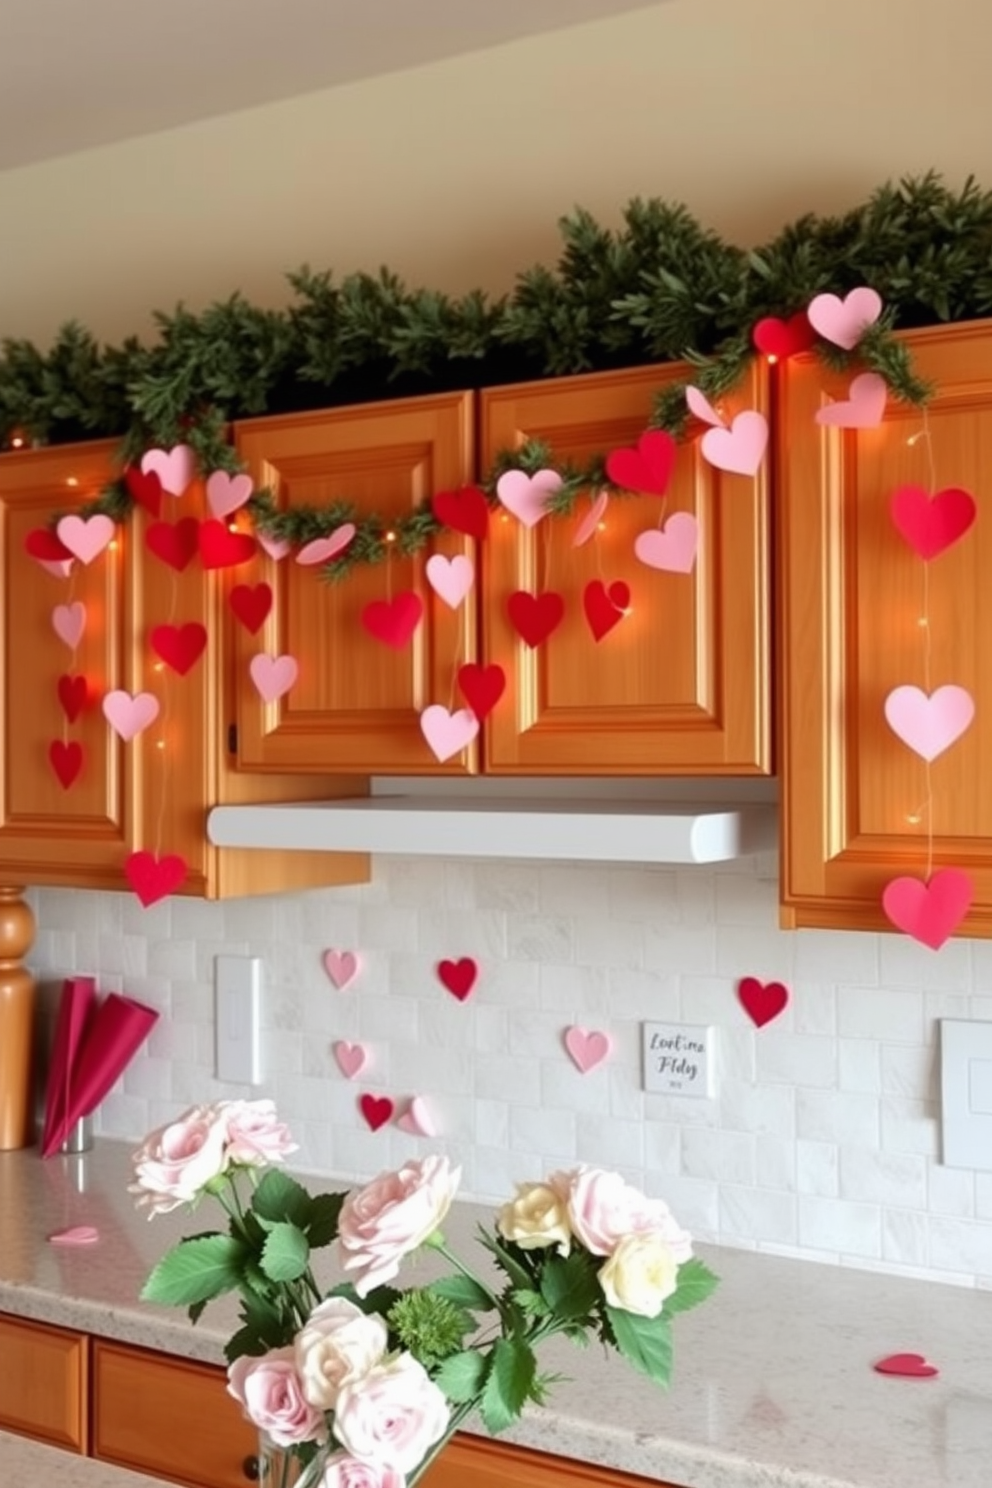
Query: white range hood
(607, 821)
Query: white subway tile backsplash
(866, 1012)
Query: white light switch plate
(966, 1093)
(237, 1002)
(678, 1059)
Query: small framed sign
(678, 1059)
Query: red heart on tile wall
(377, 1110)
(762, 1001)
(458, 976)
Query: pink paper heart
(175, 468)
(586, 1047)
(276, 547)
(58, 568)
(700, 406)
(75, 1235)
(128, 715)
(417, 1119)
(273, 675)
(929, 724)
(323, 549)
(844, 321)
(864, 408)
(341, 967)
(227, 493)
(929, 912)
(526, 496)
(909, 1366)
(69, 623)
(85, 537)
(673, 547)
(739, 449)
(590, 522)
(351, 1058)
(448, 733)
(451, 578)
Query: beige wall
(749, 110)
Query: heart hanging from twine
(66, 760)
(227, 493)
(175, 467)
(154, 878)
(69, 623)
(273, 676)
(646, 468)
(447, 733)
(740, 449)
(251, 603)
(222, 548)
(128, 715)
(179, 646)
(605, 605)
(535, 616)
(673, 547)
(527, 496)
(86, 537)
(73, 696)
(844, 321)
(393, 621)
(929, 912)
(175, 543)
(932, 524)
(863, 408)
(929, 724)
(465, 511)
(784, 338)
(481, 686)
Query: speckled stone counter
(773, 1382)
(28, 1463)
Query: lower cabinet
(43, 1383)
(475, 1461)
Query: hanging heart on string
(466, 511)
(73, 695)
(393, 621)
(673, 548)
(929, 912)
(929, 724)
(276, 547)
(222, 548)
(69, 623)
(127, 714)
(589, 525)
(526, 496)
(174, 543)
(228, 493)
(145, 490)
(251, 605)
(273, 676)
(482, 686)
(535, 616)
(458, 977)
(45, 545)
(844, 321)
(587, 1047)
(377, 1110)
(86, 537)
(701, 408)
(417, 1119)
(605, 606)
(152, 878)
(66, 760)
(646, 468)
(446, 733)
(784, 338)
(864, 408)
(323, 549)
(931, 525)
(351, 1058)
(179, 646)
(175, 467)
(740, 449)
(450, 578)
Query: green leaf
(570, 1287)
(286, 1253)
(646, 1343)
(322, 1226)
(461, 1376)
(506, 1260)
(463, 1291)
(196, 1311)
(195, 1271)
(509, 1382)
(696, 1282)
(279, 1197)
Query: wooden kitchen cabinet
(852, 596)
(43, 1383)
(475, 1461)
(681, 684)
(357, 700)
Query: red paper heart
(251, 605)
(46, 546)
(535, 616)
(154, 878)
(377, 1110)
(647, 468)
(222, 548)
(394, 621)
(458, 976)
(465, 511)
(762, 1001)
(910, 1366)
(784, 338)
(604, 606)
(73, 695)
(482, 687)
(179, 646)
(932, 524)
(145, 489)
(175, 543)
(66, 761)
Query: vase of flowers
(361, 1384)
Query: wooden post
(17, 997)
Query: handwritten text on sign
(678, 1058)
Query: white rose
(536, 1218)
(640, 1274)
(392, 1416)
(176, 1162)
(337, 1345)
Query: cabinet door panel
(356, 702)
(487, 1464)
(43, 1383)
(680, 684)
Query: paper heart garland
(646, 468)
(701, 408)
(86, 537)
(526, 496)
(740, 449)
(323, 549)
(909, 1366)
(341, 967)
(450, 578)
(482, 686)
(587, 1047)
(175, 543)
(417, 1119)
(459, 977)
(929, 912)
(466, 511)
(179, 646)
(58, 569)
(762, 1001)
(227, 493)
(43, 544)
(128, 715)
(394, 621)
(144, 489)
(535, 616)
(66, 760)
(447, 734)
(931, 525)
(864, 408)
(784, 338)
(251, 605)
(351, 1058)
(673, 548)
(222, 548)
(589, 525)
(276, 547)
(605, 606)
(844, 321)
(69, 623)
(73, 696)
(152, 878)
(273, 676)
(377, 1110)
(929, 724)
(175, 468)
(75, 1235)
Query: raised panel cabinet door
(78, 833)
(680, 685)
(487, 1464)
(43, 1383)
(858, 804)
(357, 700)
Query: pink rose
(604, 1209)
(178, 1160)
(337, 1344)
(342, 1471)
(271, 1393)
(391, 1216)
(254, 1135)
(392, 1416)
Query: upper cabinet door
(862, 614)
(67, 785)
(680, 684)
(357, 700)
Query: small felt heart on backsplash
(351, 1058)
(417, 1119)
(762, 1001)
(586, 1047)
(377, 1110)
(341, 967)
(458, 977)
(909, 1366)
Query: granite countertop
(28, 1462)
(773, 1387)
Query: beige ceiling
(79, 73)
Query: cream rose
(177, 1161)
(603, 1209)
(536, 1218)
(271, 1394)
(337, 1345)
(392, 1416)
(391, 1216)
(640, 1274)
(343, 1471)
(255, 1135)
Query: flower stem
(461, 1412)
(453, 1260)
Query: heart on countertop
(762, 1001)
(377, 1110)
(909, 1366)
(75, 1235)
(458, 977)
